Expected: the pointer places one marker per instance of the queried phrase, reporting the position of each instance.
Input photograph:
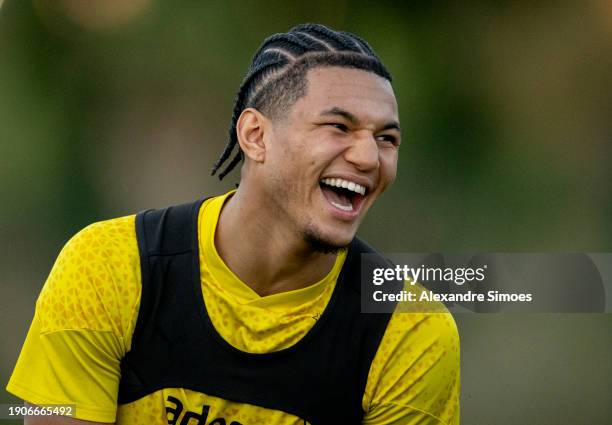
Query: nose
(363, 152)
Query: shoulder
(108, 232)
(95, 281)
(83, 323)
(102, 239)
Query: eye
(339, 126)
(388, 138)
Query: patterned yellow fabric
(87, 310)
(247, 321)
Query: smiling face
(331, 155)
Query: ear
(250, 130)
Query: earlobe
(250, 130)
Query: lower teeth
(348, 207)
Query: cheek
(388, 167)
(291, 167)
(281, 158)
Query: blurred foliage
(109, 107)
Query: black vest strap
(320, 379)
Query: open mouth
(343, 194)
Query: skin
(345, 126)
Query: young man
(244, 308)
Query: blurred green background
(108, 107)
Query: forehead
(363, 93)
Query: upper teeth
(352, 186)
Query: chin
(326, 244)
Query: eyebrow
(335, 111)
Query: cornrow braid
(277, 76)
(245, 89)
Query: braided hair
(277, 75)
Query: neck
(267, 256)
